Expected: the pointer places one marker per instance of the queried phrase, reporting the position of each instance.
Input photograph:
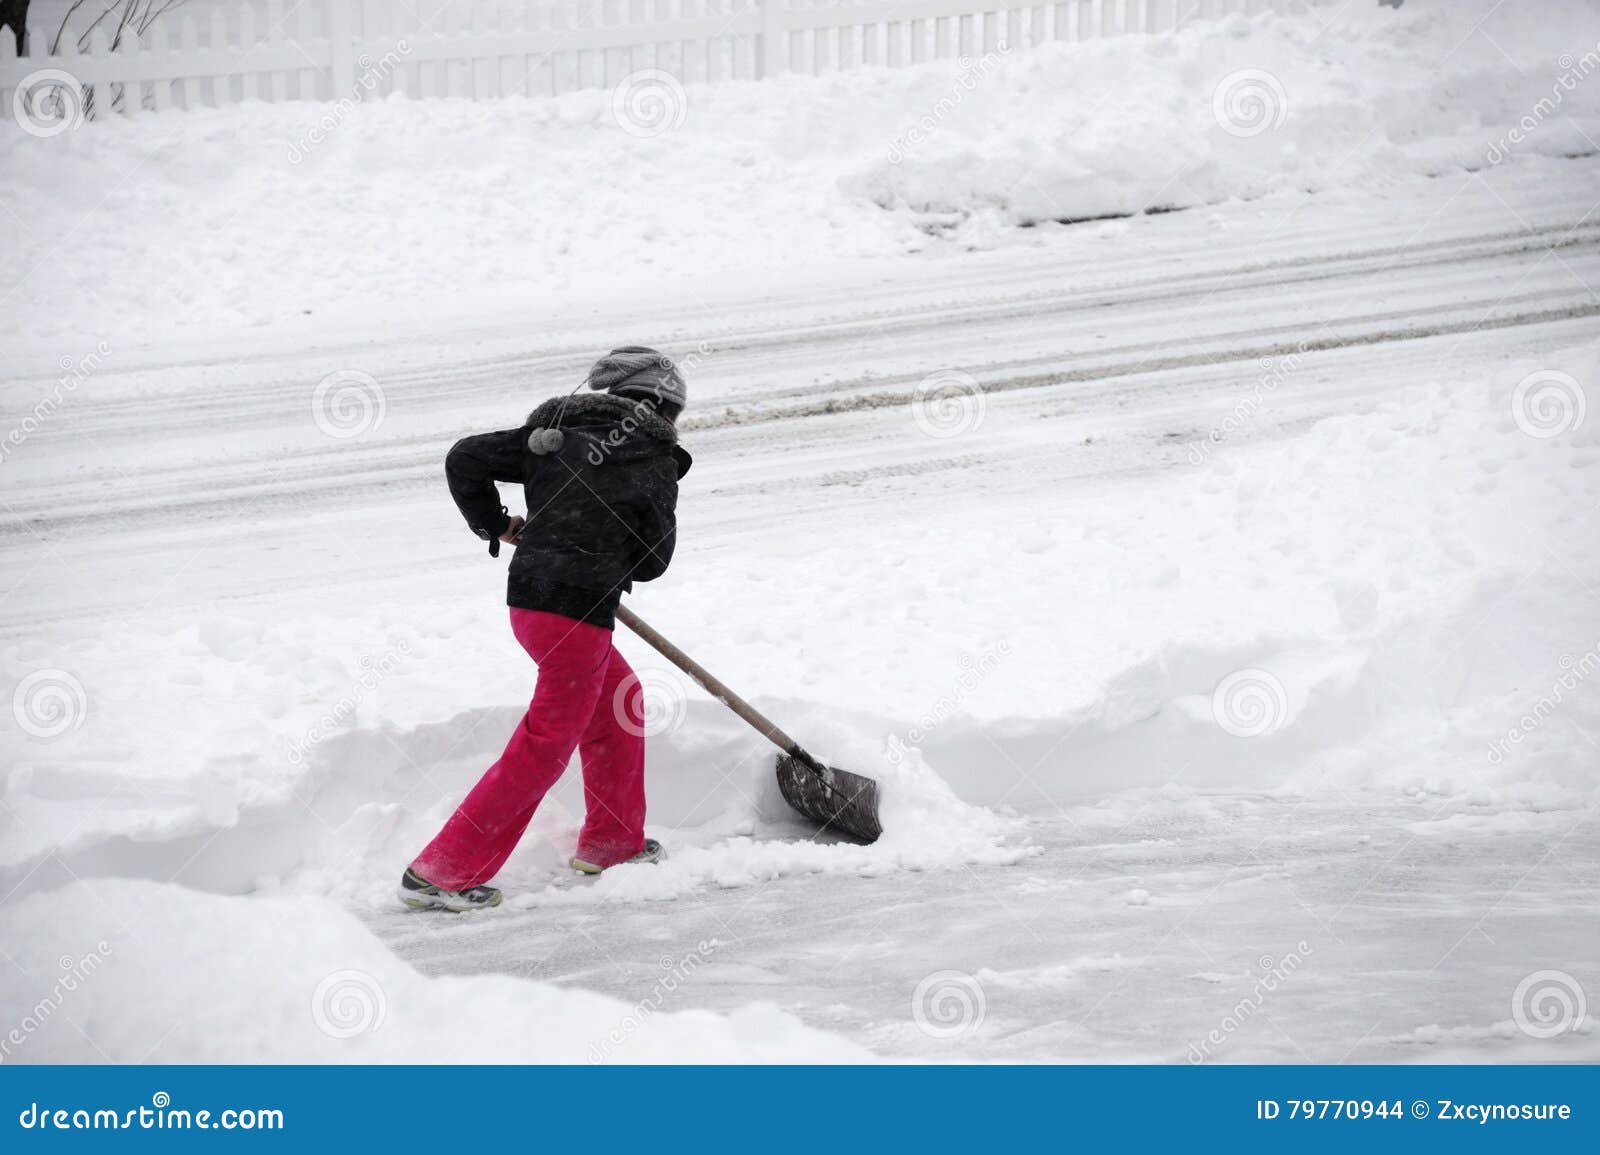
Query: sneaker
(653, 852)
(420, 894)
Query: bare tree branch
(55, 44)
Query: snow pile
(713, 800)
(303, 981)
(1380, 596)
(1316, 101)
(334, 791)
(196, 223)
(925, 825)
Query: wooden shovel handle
(714, 686)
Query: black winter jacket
(601, 508)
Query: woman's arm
(472, 467)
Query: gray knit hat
(635, 371)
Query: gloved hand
(513, 530)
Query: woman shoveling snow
(600, 474)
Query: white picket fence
(338, 49)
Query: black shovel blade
(837, 799)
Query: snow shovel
(838, 799)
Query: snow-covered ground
(1214, 592)
(307, 223)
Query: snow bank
(1383, 583)
(252, 804)
(713, 800)
(199, 223)
(926, 827)
(303, 981)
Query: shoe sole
(409, 898)
(590, 869)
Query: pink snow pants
(586, 699)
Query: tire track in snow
(346, 471)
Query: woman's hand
(513, 531)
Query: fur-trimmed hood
(604, 426)
(587, 410)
